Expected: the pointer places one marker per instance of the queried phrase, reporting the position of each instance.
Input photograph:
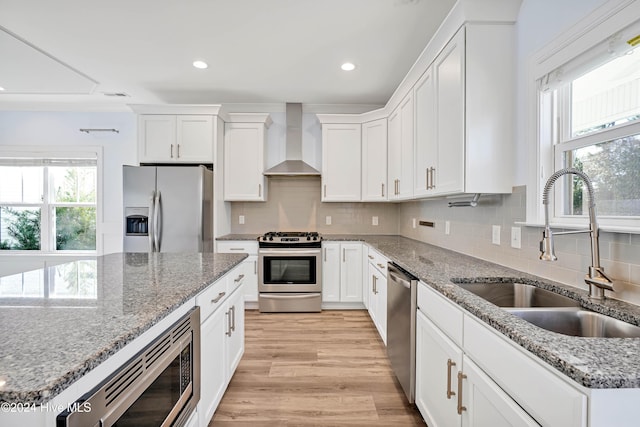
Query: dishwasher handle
(396, 274)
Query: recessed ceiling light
(200, 64)
(348, 66)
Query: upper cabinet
(440, 125)
(401, 150)
(464, 121)
(341, 163)
(244, 160)
(374, 161)
(175, 138)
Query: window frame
(591, 32)
(47, 237)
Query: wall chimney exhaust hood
(293, 164)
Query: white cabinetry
(466, 375)
(374, 160)
(222, 339)
(175, 138)
(377, 292)
(464, 115)
(244, 159)
(440, 125)
(341, 169)
(342, 272)
(401, 154)
(249, 266)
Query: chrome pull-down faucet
(595, 278)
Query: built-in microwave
(160, 386)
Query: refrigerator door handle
(158, 221)
(151, 222)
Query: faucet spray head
(547, 252)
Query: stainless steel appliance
(289, 272)
(401, 327)
(168, 209)
(160, 386)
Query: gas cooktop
(290, 237)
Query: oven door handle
(290, 296)
(281, 252)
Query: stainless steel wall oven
(289, 272)
(160, 386)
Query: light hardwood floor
(314, 369)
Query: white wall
(539, 22)
(54, 129)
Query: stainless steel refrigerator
(168, 209)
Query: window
(590, 120)
(48, 204)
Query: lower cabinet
(250, 264)
(342, 272)
(469, 375)
(452, 391)
(222, 339)
(377, 290)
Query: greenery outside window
(48, 204)
(590, 119)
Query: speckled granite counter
(239, 237)
(70, 326)
(592, 362)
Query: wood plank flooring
(314, 369)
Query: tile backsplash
(294, 205)
(471, 234)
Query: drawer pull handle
(370, 257)
(237, 249)
(450, 392)
(218, 298)
(461, 377)
(239, 278)
(381, 265)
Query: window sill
(573, 226)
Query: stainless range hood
(293, 164)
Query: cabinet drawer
(238, 276)
(379, 261)
(444, 314)
(213, 297)
(545, 396)
(238, 246)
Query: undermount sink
(518, 295)
(578, 323)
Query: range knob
(308, 238)
(315, 237)
(270, 237)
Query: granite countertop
(239, 237)
(591, 362)
(54, 334)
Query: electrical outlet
(516, 237)
(413, 221)
(241, 219)
(495, 235)
(328, 220)
(447, 227)
(374, 220)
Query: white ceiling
(66, 54)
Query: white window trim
(599, 25)
(87, 151)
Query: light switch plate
(495, 235)
(328, 220)
(241, 219)
(447, 227)
(374, 220)
(516, 237)
(413, 221)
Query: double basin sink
(551, 311)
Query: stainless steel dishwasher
(401, 327)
